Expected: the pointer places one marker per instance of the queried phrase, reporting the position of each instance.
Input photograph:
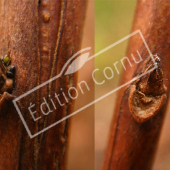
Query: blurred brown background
(81, 149)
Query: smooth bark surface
(132, 145)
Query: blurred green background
(113, 21)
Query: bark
(132, 145)
(40, 37)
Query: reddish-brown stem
(40, 36)
(132, 145)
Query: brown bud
(147, 94)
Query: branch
(132, 144)
(40, 36)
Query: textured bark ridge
(132, 145)
(40, 37)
